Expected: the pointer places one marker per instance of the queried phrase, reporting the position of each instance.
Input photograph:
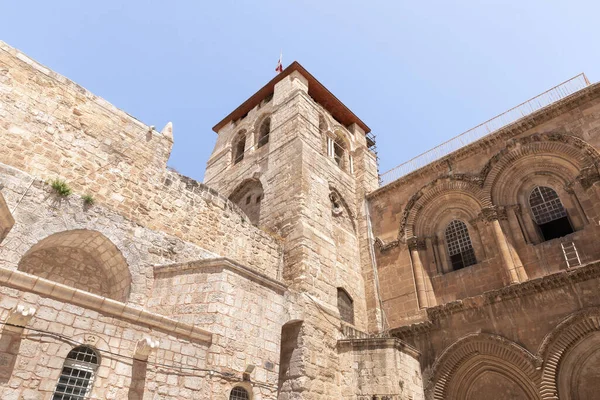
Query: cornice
(511, 130)
(528, 288)
(44, 287)
(381, 343)
(221, 262)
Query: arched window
(345, 306)
(239, 147)
(239, 393)
(263, 132)
(459, 245)
(549, 213)
(339, 151)
(77, 374)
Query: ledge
(221, 262)
(538, 285)
(31, 283)
(379, 343)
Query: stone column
(425, 293)
(510, 259)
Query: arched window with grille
(239, 147)
(345, 306)
(549, 213)
(460, 248)
(264, 132)
(77, 376)
(239, 393)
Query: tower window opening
(248, 199)
(345, 306)
(77, 375)
(239, 393)
(264, 131)
(339, 152)
(239, 147)
(549, 213)
(460, 248)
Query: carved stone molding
(494, 214)
(588, 176)
(556, 344)
(382, 246)
(415, 243)
(505, 354)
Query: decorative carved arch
(463, 184)
(554, 346)
(473, 354)
(569, 149)
(333, 192)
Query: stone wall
(53, 128)
(487, 185)
(528, 327)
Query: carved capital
(144, 347)
(494, 214)
(19, 317)
(415, 243)
(588, 176)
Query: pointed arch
(556, 345)
(459, 368)
(83, 259)
(248, 196)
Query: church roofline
(316, 90)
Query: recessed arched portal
(83, 259)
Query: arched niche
(475, 365)
(248, 196)
(83, 259)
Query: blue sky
(417, 73)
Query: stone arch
(248, 196)
(238, 147)
(341, 149)
(340, 209)
(83, 259)
(262, 130)
(564, 152)
(465, 362)
(555, 348)
(435, 197)
(6, 219)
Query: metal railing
(490, 126)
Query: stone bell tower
(297, 161)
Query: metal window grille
(545, 205)
(77, 374)
(459, 245)
(239, 393)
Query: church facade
(292, 272)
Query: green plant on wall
(88, 199)
(61, 187)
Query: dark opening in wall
(345, 306)
(264, 132)
(549, 213)
(290, 357)
(239, 147)
(460, 248)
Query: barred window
(345, 306)
(459, 245)
(546, 205)
(264, 132)
(239, 393)
(77, 374)
(549, 213)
